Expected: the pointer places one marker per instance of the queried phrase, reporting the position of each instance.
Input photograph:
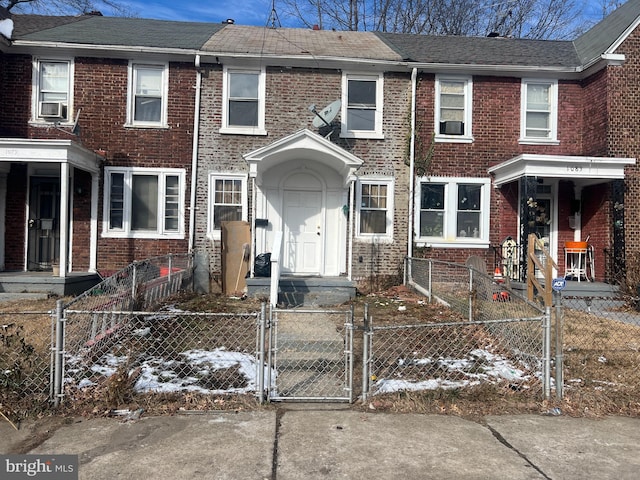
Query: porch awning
(585, 170)
(49, 151)
(303, 144)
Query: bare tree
(65, 7)
(538, 19)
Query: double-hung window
(452, 211)
(243, 109)
(53, 82)
(147, 95)
(453, 108)
(375, 209)
(227, 201)
(362, 98)
(539, 111)
(144, 202)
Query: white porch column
(64, 218)
(93, 240)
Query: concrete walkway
(328, 442)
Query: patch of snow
(479, 366)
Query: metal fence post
(430, 282)
(365, 353)
(470, 294)
(134, 281)
(547, 353)
(261, 353)
(59, 353)
(559, 347)
(407, 273)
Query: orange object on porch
(575, 260)
(497, 275)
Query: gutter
(194, 155)
(412, 154)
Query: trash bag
(262, 265)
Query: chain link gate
(310, 355)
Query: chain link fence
(140, 285)
(601, 345)
(26, 357)
(161, 352)
(498, 337)
(312, 354)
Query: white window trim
(450, 238)
(553, 120)
(126, 232)
(262, 96)
(212, 233)
(35, 91)
(376, 237)
(163, 123)
(377, 133)
(468, 110)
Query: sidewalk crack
(274, 461)
(504, 441)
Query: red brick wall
(15, 95)
(81, 221)
(596, 121)
(15, 217)
(597, 224)
(496, 131)
(624, 134)
(100, 89)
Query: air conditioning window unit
(452, 128)
(51, 109)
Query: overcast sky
(253, 12)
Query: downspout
(352, 210)
(194, 156)
(412, 154)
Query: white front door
(303, 232)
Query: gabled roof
(496, 51)
(236, 39)
(495, 54)
(99, 30)
(607, 33)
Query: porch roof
(303, 144)
(588, 170)
(49, 151)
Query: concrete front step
(305, 291)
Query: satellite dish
(327, 114)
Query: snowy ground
(226, 372)
(495, 369)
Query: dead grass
(601, 366)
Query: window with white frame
(362, 98)
(452, 211)
(453, 108)
(148, 91)
(539, 111)
(144, 202)
(227, 200)
(53, 87)
(375, 208)
(243, 109)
